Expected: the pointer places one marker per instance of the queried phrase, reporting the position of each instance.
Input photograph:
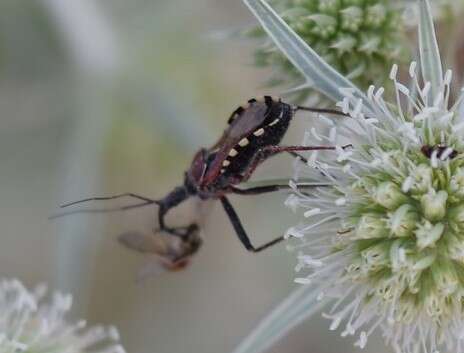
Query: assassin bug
(253, 135)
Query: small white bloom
(30, 325)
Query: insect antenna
(146, 202)
(127, 194)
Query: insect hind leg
(240, 231)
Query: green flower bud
(434, 204)
(455, 247)
(457, 183)
(371, 226)
(376, 15)
(457, 218)
(327, 6)
(375, 257)
(427, 234)
(403, 221)
(389, 195)
(422, 178)
(352, 18)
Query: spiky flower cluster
(385, 240)
(357, 37)
(30, 326)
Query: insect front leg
(240, 231)
(173, 199)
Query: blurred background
(99, 97)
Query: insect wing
(143, 243)
(166, 252)
(248, 121)
(154, 266)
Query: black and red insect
(253, 134)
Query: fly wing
(166, 252)
(155, 265)
(143, 243)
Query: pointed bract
(429, 52)
(321, 75)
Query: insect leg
(269, 151)
(321, 110)
(173, 199)
(270, 188)
(241, 233)
(258, 190)
(297, 155)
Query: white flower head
(28, 324)
(385, 249)
(391, 256)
